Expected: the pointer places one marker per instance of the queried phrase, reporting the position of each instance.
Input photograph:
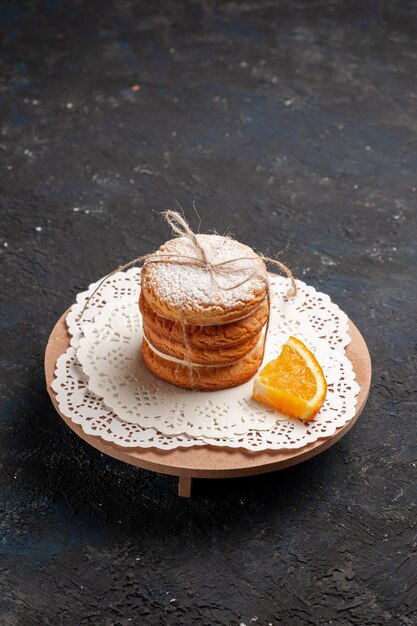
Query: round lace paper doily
(114, 313)
(110, 356)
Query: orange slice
(293, 383)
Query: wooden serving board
(210, 461)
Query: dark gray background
(289, 123)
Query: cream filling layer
(173, 359)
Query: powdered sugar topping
(189, 287)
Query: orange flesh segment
(293, 383)
(289, 373)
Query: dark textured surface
(289, 122)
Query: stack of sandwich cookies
(203, 322)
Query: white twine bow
(180, 228)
